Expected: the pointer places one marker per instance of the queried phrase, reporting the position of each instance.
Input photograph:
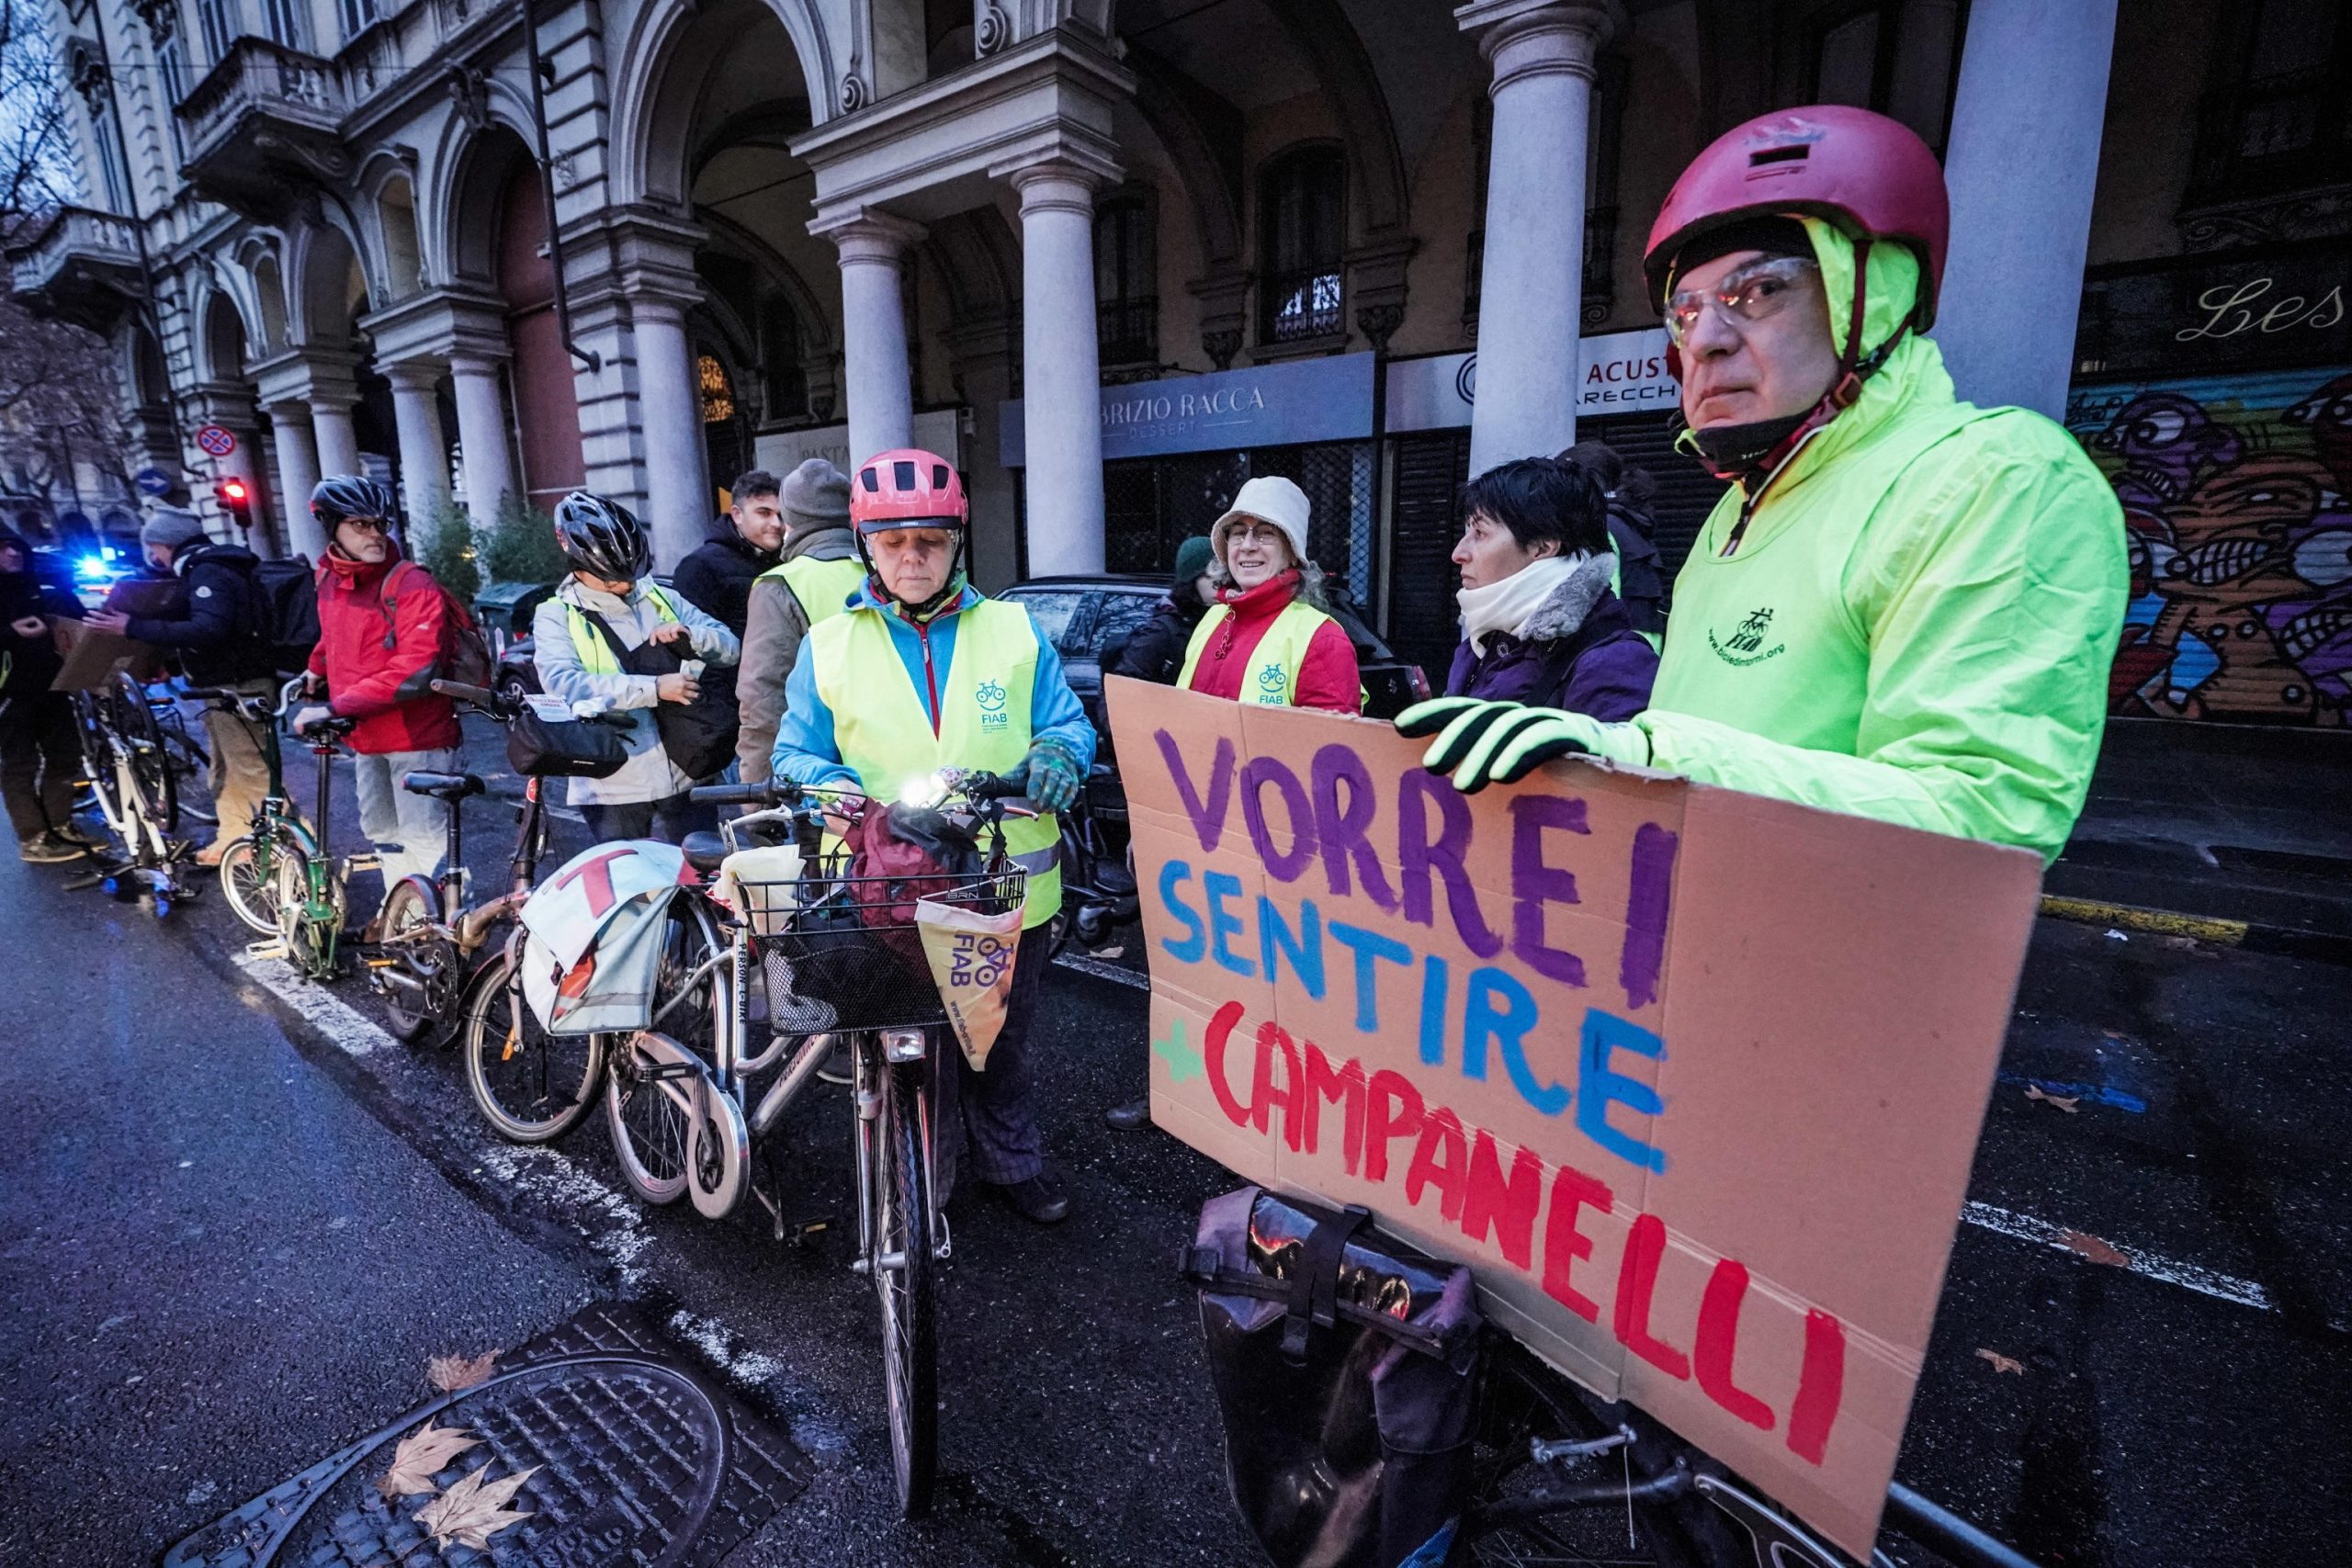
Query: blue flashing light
(93, 566)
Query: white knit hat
(1270, 498)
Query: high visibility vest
(1274, 680)
(882, 729)
(821, 586)
(595, 655)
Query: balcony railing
(299, 97)
(1127, 331)
(83, 267)
(1600, 273)
(1302, 305)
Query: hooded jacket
(1155, 650)
(774, 624)
(378, 649)
(1579, 651)
(27, 664)
(1916, 624)
(218, 641)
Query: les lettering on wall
(1692, 1078)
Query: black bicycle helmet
(602, 537)
(341, 497)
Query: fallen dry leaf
(420, 1455)
(2003, 1363)
(2097, 1251)
(474, 1509)
(450, 1374)
(2066, 1103)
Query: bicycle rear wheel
(650, 1111)
(530, 1085)
(431, 961)
(902, 1267)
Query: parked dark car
(1089, 618)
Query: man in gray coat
(819, 571)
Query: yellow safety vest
(882, 729)
(595, 655)
(821, 586)
(1275, 683)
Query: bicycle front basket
(847, 945)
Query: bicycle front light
(905, 1044)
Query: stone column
(481, 435)
(876, 373)
(298, 476)
(1061, 370)
(338, 441)
(1532, 287)
(425, 457)
(2022, 166)
(677, 492)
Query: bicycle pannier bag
(285, 604)
(1346, 1372)
(540, 745)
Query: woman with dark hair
(1539, 622)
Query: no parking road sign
(216, 441)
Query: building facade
(1116, 259)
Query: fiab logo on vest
(1746, 644)
(989, 694)
(1269, 678)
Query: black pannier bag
(1346, 1367)
(563, 749)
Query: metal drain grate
(642, 1460)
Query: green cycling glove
(1480, 742)
(1050, 775)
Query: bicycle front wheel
(901, 1268)
(98, 759)
(151, 762)
(530, 1085)
(249, 881)
(649, 1109)
(309, 928)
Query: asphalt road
(237, 1219)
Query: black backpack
(285, 613)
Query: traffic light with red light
(236, 499)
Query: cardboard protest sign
(1692, 1079)
(94, 657)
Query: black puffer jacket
(718, 574)
(219, 642)
(1155, 650)
(30, 663)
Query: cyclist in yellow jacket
(1905, 606)
(924, 672)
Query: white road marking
(1102, 971)
(352, 1034)
(2189, 1276)
(715, 1339)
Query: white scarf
(1505, 606)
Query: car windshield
(1057, 614)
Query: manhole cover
(636, 1458)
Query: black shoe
(1040, 1199)
(48, 848)
(1126, 1118)
(74, 833)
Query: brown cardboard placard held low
(1690, 1078)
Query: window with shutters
(1302, 236)
(2279, 116)
(218, 18)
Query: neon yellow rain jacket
(1917, 624)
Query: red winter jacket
(377, 650)
(1328, 676)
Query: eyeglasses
(368, 524)
(1260, 533)
(1754, 293)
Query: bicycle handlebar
(744, 794)
(989, 786)
(482, 697)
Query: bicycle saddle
(442, 786)
(704, 851)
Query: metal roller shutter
(1686, 492)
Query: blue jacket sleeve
(1055, 712)
(805, 748)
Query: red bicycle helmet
(1870, 176)
(908, 489)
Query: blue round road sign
(152, 481)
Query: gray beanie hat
(171, 528)
(815, 495)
